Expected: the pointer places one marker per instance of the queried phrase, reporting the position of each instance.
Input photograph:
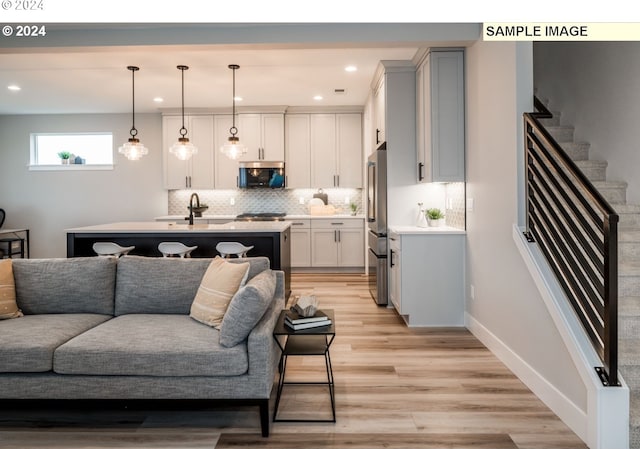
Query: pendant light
(133, 149)
(183, 149)
(233, 149)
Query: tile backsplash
(455, 211)
(234, 202)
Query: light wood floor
(395, 388)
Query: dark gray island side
(269, 239)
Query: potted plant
(64, 157)
(354, 208)
(435, 217)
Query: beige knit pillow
(220, 282)
(8, 306)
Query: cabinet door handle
(297, 223)
(420, 170)
(339, 236)
(186, 182)
(338, 179)
(335, 236)
(377, 136)
(337, 223)
(391, 258)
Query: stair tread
(610, 184)
(591, 163)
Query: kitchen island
(271, 239)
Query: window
(95, 149)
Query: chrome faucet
(191, 206)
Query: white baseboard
(567, 411)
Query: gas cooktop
(261, 216)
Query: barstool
(7, 247)
(110, 249)
(175, 249)
(227, 249)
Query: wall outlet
(472, 292)
(301, 200)
(470, 204)
(232, 201)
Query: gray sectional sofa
(104, 329)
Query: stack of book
(298, 322)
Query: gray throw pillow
(246, 308)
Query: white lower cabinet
(426, 278)
(301, 243)
(337, 242)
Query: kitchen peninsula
(271, 239)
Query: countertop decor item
(421, 221)
(133, 149)
(183, 149)
(233, 149)
(435, 217)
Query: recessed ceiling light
(350, 68)
(317, 97)
(158, 99)
(14, 87)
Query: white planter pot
(436, 223)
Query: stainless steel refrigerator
(377, 222)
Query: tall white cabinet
(440, 116)
(198, 171)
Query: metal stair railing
(577, 231)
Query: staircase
(628, 263)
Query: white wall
(595, 86)
(48, 202)
(507, 306)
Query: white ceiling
(76, 79)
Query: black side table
(314, 341)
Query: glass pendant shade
(183, 149)
(233, 149)
(133, 149)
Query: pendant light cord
(233, 129)
(183, 130)
(133, 131)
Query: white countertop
(232, 217)
(158, 226)
(428, 230)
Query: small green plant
(64, 155)
(434, 214)
(353, 207)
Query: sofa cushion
(150, 345)
(8, 307)
(157, 284)
(165, 285)
(27, 344)
(76, 285)
(221, 281)
(246, 308)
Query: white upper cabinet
(440, 114)
(197, 172)
(298, 150)
(336, 150)
(263, 135)
(379, 114)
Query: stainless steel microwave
(261, 175)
